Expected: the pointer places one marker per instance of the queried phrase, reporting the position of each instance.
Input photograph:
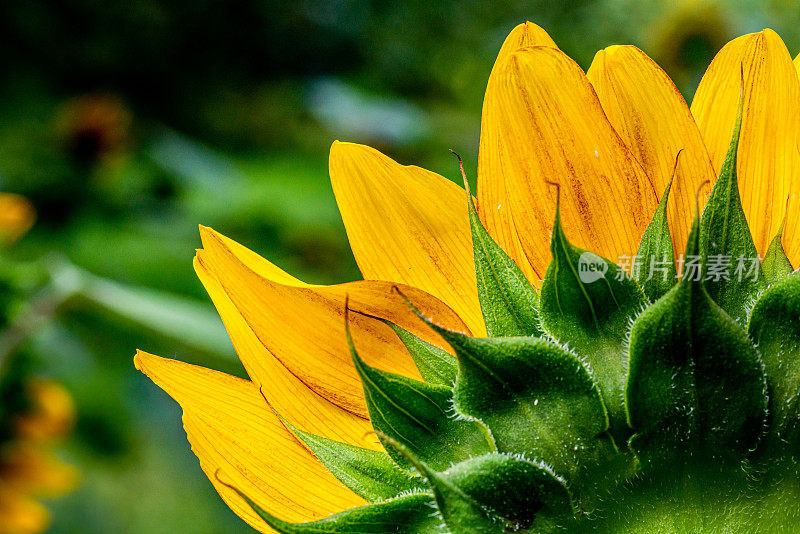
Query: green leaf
(696, 388)
(499, 493)
(371, 474)
(420, 416)
(537, 399)
(437, 366)
(730, 258)
(409, 514)
(588, 303)
(775, 329)
(776, 265)
(656, 274)
(509, 302)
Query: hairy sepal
(696, 390)
(371, 474)
(775, 329)
(509, 303)
(420, 416)
(654, 263)
(588, 303)
(732, 270)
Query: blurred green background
(128, 123)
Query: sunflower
(476, 380)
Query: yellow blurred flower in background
(684, 38)
(17, 215)
(609, 137)
(35, 413)
(28, 468)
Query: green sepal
(420, 416)
(409, 514)
(499, 493)
(590, 311)
(655, 249)
(537, 399)
(437, 366)
(730, 259)
(775, 329)
(696, 388)
(371, 474)
(776, 265)
(709, 498)
(509, 303)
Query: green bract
(609, 403)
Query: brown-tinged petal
(543, 123)
(240, 441)
(302, 326)
(286, 393)
(652, 118)
(523, 36)
(759, 67)
(407, 225)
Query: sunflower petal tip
(524, 35)
(343, 151)
(205, 230)
(526, 31)
(141, 360)
(207, 236)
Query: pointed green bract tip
(732, 270)
(654, 264)
(587, 304)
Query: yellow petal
(492, 214)
(652, 118)
(543, 122)
(240, 441)
(407, 225)
(16, 217)
(769, 163)
(302, 327)
(285, 392)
